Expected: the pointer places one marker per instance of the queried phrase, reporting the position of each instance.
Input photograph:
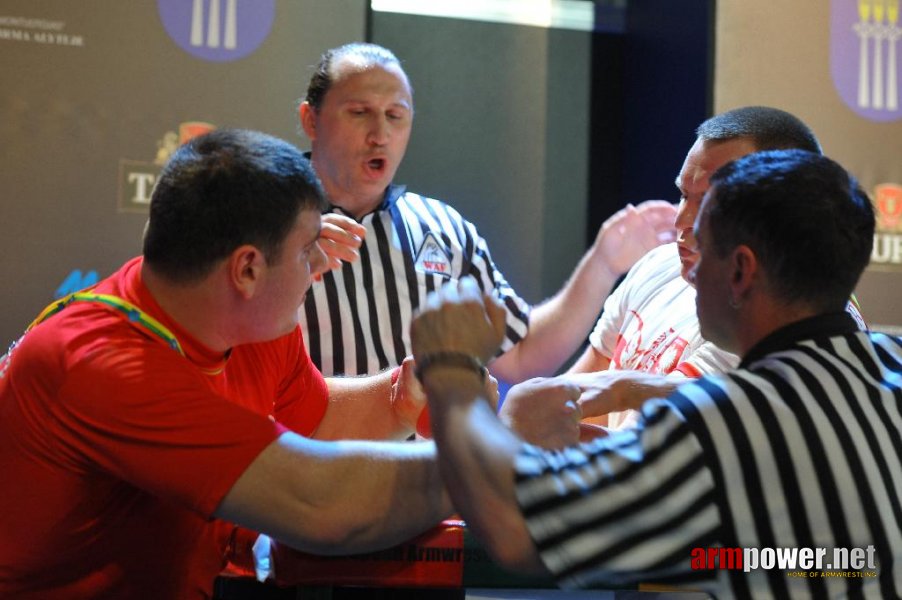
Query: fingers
(350, 226)
(660, 216)
(491, 391)
(589, 432)
(456, 319)
(340, 238)
(468, 290)
(407, 396)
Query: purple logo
(217, 30)
(863, 56)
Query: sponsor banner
(217, 30)
(137, 177)
(864, 58)
(887, 252)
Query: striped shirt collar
(819, 326)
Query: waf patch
(433, 258)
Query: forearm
(339, 497)
(476, 461)
(558, 326)
(591, 361)
(361, 408)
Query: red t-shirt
(115, 449)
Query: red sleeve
(143, 414)
(302, 395)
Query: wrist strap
(449, 359)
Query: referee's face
(710, 274)
(359, 134)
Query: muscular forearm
(339, 497)
(476, 461)
(361, 408)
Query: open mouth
(376, 164)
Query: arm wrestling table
(446, 563)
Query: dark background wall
(500, 133)
(651, 87)
(538, 134)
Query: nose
(379, 131)
(685, 217)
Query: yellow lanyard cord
(131, 312)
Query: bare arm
(558, 326)
(476, 451)
(610, 391)
(371, 408)
(476, 462)
(591, 361)
(338, 497)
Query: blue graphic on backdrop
(217, 30)
(863, 56)
(74, 282)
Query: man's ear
(745, 271)
(246, 269)
(307, 114)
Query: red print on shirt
(661, 356)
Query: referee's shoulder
(415, 202)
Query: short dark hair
(220, 191)
(768, 128)
(365, 55)
(806, 218)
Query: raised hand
(631, 232)
(340, 238)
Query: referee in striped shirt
(799, 448)
(358, 114)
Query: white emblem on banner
(864, 60)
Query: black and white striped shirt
(356, 321)
(801, 447)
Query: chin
(684, 273)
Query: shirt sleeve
(607, 329)
(706, 360)
(622, 510)
(490, 277)
(302, 396)
(140, 415)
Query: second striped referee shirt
(356, 321)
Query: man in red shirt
(140, 419)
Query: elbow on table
(513, 549)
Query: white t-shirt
(649, 324)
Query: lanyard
(131, 312)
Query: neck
(757, 320)
(196, 307)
